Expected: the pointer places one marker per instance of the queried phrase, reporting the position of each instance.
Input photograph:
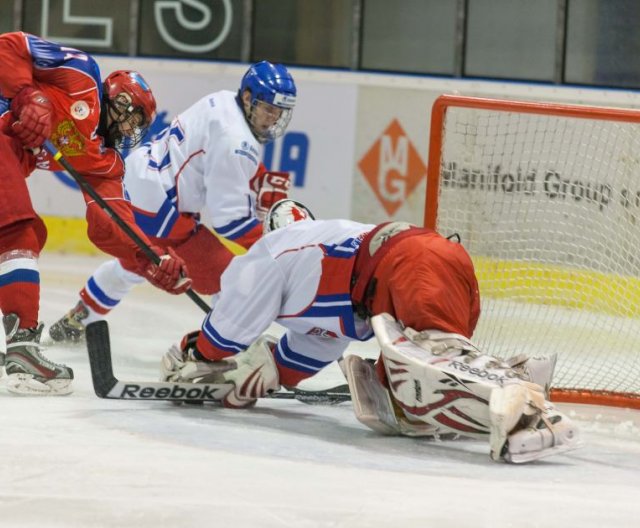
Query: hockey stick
(84, 184)
(106, 385)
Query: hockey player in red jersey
(330, 282)
(48, 91)
(207, 161)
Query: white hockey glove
(179, 365)
(255, 375)
(253, 372)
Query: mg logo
(392, 167)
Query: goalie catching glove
(442, 382)
(252, 372)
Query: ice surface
(79, 461)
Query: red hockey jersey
(71, 80)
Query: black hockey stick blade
(106, 385)
(99, 349)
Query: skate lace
(44, 359)
(34, 348)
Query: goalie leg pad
(426, 386)
(372, 403)
(538, 370)
(444, 380)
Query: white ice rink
(79, 461)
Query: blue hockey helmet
(273, 92)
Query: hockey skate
(10, 323)
(70, 329)
(526, 427)
(28, 371)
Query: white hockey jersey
(204, 159)
(300, 277)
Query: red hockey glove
(274, 187)
(33, 113)
(170, 275)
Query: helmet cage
(131, 108)
(128, 125)
(272, 91)
(275, 130)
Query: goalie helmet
(273, 96)
(131, 107)
(285, 212)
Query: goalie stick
(106, 385)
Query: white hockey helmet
(285, 212)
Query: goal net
(546, 199)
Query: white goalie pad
(439, 378)
(443, 380)
(372, 403)
(538, 370)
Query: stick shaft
(86, 187)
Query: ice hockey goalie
(436, 383)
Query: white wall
(367, 134)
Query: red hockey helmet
(132, 107)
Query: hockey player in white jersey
(335, 281)
(208, 157)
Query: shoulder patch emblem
(80, 110)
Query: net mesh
(548, 206)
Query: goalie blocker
(436, 383)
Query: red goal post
(546, 199)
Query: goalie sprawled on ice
(334, 281)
